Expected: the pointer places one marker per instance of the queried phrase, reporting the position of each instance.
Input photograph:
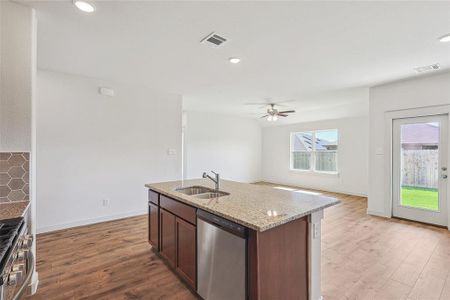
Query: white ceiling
(322, 54)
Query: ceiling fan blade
(287, 101)
(287, 112)
(282, 115)
(277, 104)
(260, 105)
(264, 116)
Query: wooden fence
(324, 160)
(420, 168)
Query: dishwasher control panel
(223, 223)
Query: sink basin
(210, 195)
(201, 192)
(194, 190)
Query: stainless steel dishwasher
(221, 258)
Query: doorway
(419, 161)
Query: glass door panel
(420, 165)
(419, 162)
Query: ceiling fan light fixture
(445, 38)
(273, 114)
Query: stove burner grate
(8, 232)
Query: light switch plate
(106, 91)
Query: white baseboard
(34, 282)
(90, 221)
(348, 193)
(377, 213)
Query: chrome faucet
(215, 180)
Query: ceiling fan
(273, 113)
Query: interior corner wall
(352, 157)
(409, 94)
(16, 76)
(95, 153)
(226, 144)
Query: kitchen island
(281, 230)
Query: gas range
(16, 261)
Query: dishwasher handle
(225, 224)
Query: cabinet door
(167, 235)
(186, 254)
(153, 225)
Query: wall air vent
(214, 40)
(429, 68)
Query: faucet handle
(213, 172)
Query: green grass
(420, 198)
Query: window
(314, 150)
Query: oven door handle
(30, 272)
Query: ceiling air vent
(214, 40)
(429, 68)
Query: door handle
(444, 176)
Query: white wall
(403, 95)
(352, 157)
(226, 144)
(92, 147)
(17, 89)
(16, 75)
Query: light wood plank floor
(363, 257)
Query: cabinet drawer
(153, 197)
(180, 209)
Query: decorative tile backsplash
(14, 176)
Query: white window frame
(312, 164)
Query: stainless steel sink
(201, 192)
(194, 190)
(210, 195)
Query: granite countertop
(254, 206)
(9, 210)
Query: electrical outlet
(316, 231)
(105, 202)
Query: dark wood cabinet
(179, 209)
(167, 236)
(153, 197)
(277, 259)
(186, 250)
(172, 232)
(278, 262)
(153, 225)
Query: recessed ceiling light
(234, 60)
(445, 38)
(84, 6)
